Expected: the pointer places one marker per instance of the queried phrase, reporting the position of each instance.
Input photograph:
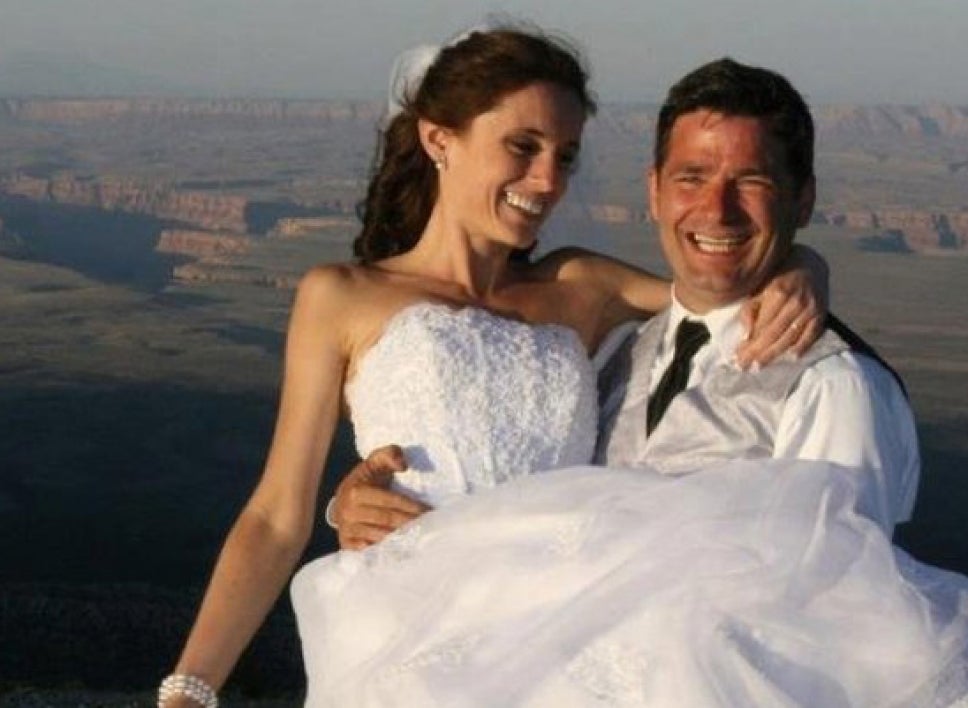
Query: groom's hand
(364, 509)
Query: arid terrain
(148, 250)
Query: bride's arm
(273, 529)
(787, 314)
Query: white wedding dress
(754, 583)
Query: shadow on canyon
(116, 498)
(107, 246)
(114, 501)
(113, 246)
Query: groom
(732, 181)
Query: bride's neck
(479, 267)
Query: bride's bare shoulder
(337, 286)
(579, 264)
(350, 301)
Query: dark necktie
(690, 337)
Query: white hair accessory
(407, 74)
(411, 66)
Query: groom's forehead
(695, 128)
(688, 133)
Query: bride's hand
(364, 509)
(788, 314)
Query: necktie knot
(690, 338)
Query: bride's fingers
(792, 325)
(364, 509)
(358, 536)
(810, 331)
(380, 465)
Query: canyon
(220, 177)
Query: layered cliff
(923, 120)
(299, 227)
(911, 121)
(208, 272)
(58, 110)
(202, 244)
(206, 210)
(907, 229)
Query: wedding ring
(794, 327)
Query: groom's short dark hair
(733, 89)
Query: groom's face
(726, 206)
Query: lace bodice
(473, 398)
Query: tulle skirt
(751, 584)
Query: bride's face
(508, 168)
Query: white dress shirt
(846, 408)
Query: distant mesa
(211, 229)
(202, 244)
(211, 211)
(933, 120)
(204, 272)
(911, 121)
(299, 227)
(905, 229)
(68, 110)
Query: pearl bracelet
(188, 686)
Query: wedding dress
(754, 583)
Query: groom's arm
(848, 409)
(364, 509)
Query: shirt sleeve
(849, 410)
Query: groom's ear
(434, 139)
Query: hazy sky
(867, 51)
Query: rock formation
(59, 110)
(300, 227)
(206, 210)
(202, 244)
(210, 272)
(849, 120)
(923, 120)
(909, 229)
(911, 121)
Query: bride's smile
(533, 207)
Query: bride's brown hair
(466, 79)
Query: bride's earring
(440, 162)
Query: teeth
(711, 244)
(534, 207)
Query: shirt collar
(725, 325)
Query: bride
(447, 336)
